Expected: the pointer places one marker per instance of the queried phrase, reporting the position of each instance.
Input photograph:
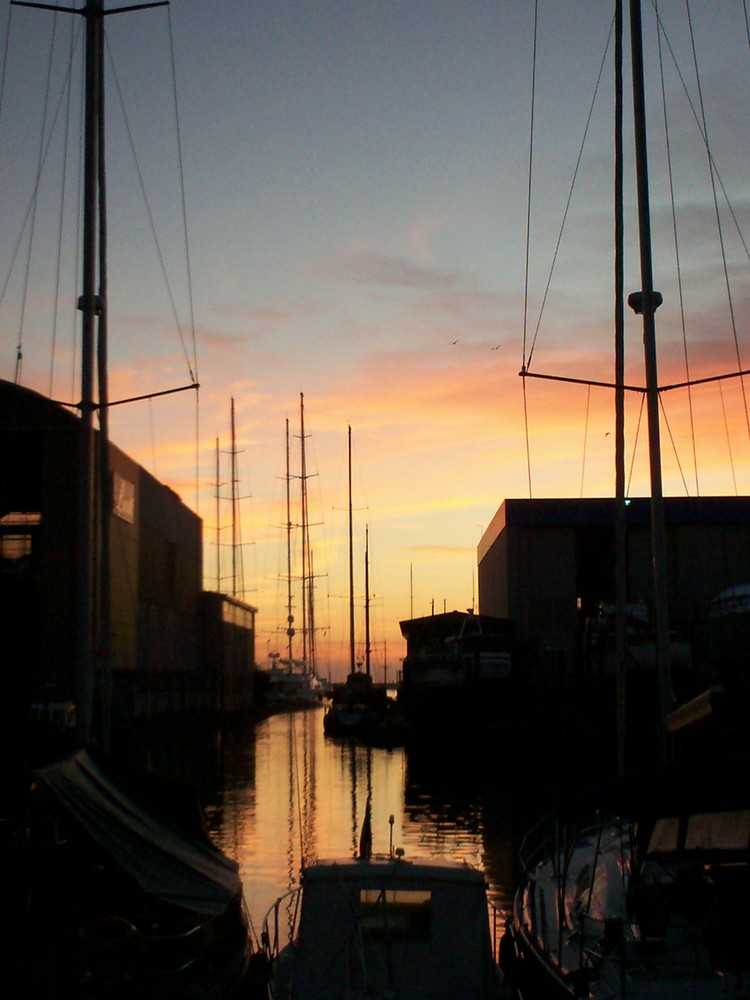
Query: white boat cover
(164, 862)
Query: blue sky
(356, 189)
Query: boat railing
(173, 953)
(585, 944)
(497, 928)
(552, 837)
(545, 839)
(281, 922)
(622, 945)
(113, 947)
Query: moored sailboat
(114, 886)
(640, 889)
(361, 709)
(646, 901)
(292, 681)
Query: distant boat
(458, 670)
(360, 709)
(292, 681)
(383, 926)
(289, 684)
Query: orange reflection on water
(291, 796)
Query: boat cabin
(388, 926)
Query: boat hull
(649, 906)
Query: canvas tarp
(165, 862)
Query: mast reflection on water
(281, 794)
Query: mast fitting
(636, 301)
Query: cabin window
(725, 831)
(664, 838)
(14, 548)
(17, 540)
(123, 498)
(395, 914)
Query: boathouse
(549, 566)
(458, 668)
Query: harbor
(396, 730)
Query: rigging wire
(716, 172)
(528, 352)
(78, 256)
(528, 243)
(570, 194)
(30, 208)
(528, 436)
(61, 217)
(35, 203)
(585, 435)
(529, 184)
(183, 199)
(728, 436)
(719, 229)
(188, 266)
(636, 438)
(152, 436)
(717, 184)
(5, 58)
(197, 446)
(150, 216)
(192, 362)
(673, 443)
(680, 292)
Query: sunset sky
(356, 189)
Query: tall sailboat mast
(619, 321)
(105, 493)
(218, 518)
(93, 306)
(233, 495)
(289, 605)
(367, 600)
(646, 303)
(88, 305)
(311, 645)
(352, 659)
(304, 532)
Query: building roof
(451, 624)
(568, 512)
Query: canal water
(279, 794)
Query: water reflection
(459, 802)
(281, 794)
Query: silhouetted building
(173, 649)
(549, 566)
(458, 668)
